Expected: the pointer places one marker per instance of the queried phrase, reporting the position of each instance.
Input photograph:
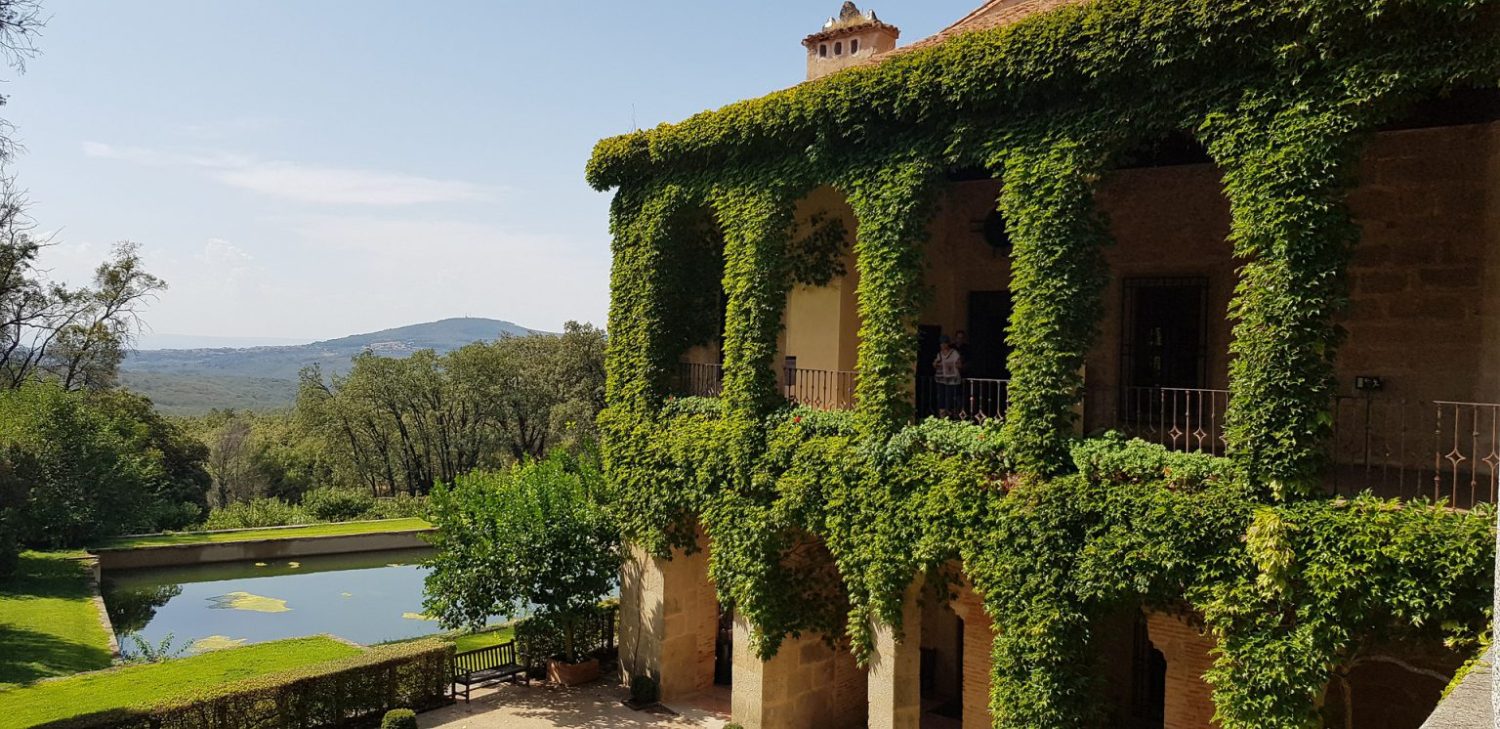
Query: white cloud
(303, 183)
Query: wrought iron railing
(975, 399)
(1439, 449)
(819, 389)
(700, 379)
(1179, 418)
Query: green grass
(310, 530)
(49, 625)
(151, 683)
(483, 639)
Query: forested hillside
(195, 381)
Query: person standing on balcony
(948, 373)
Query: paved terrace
(596, 706)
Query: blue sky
(308, 169)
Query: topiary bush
(399, 719)
(644, 690)
(332, 504)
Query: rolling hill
(194, 381)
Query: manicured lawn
(311, 530)
(485, 639)
(144, 684)
(49, 625)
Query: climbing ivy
(817, 522)
(1057, 282)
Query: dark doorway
(724, 648)
(1149, 680)
(928, 337)
(987, 353)
(1164, 342)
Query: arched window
(854, 46)
(823, 50)
(838, 48)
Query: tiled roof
(992, 14)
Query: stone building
(1415, 412)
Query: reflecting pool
(367, 598)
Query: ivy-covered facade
(1326, 141)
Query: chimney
(848, 40)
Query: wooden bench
(486, 665)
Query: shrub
(399, 719)
(256, 514)
(1111, 459)
(337, 693)
(644, 690)
(401, 506)
(331, 504)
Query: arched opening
(942, 659)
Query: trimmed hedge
(330, 694)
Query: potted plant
(537, 537)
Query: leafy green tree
(83, 466)
(533, 537)
(396, 425)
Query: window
(854, 46)
(838, 48)
(1165, 337)
(823, 50)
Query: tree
(405, 424)
(535, 537)
(84, 466)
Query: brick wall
(979, 641)
(1189, 700)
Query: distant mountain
(153, 340)
(194, 381)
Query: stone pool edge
(92, 568)
(173, 555)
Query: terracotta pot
(573, 674)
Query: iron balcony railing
(1439, 449)
(819, 389)
(974, 399)
(700, 379)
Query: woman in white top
(948, 367)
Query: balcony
(1437, 449)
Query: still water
(367, 598)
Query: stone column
(892, 205)
(895, 685)
(668, 621)
(1287, 172)
(641, 357)
(1057, 282)
(797, 687)
(757, 224)
(1189, 701)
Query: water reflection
(367, 598)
